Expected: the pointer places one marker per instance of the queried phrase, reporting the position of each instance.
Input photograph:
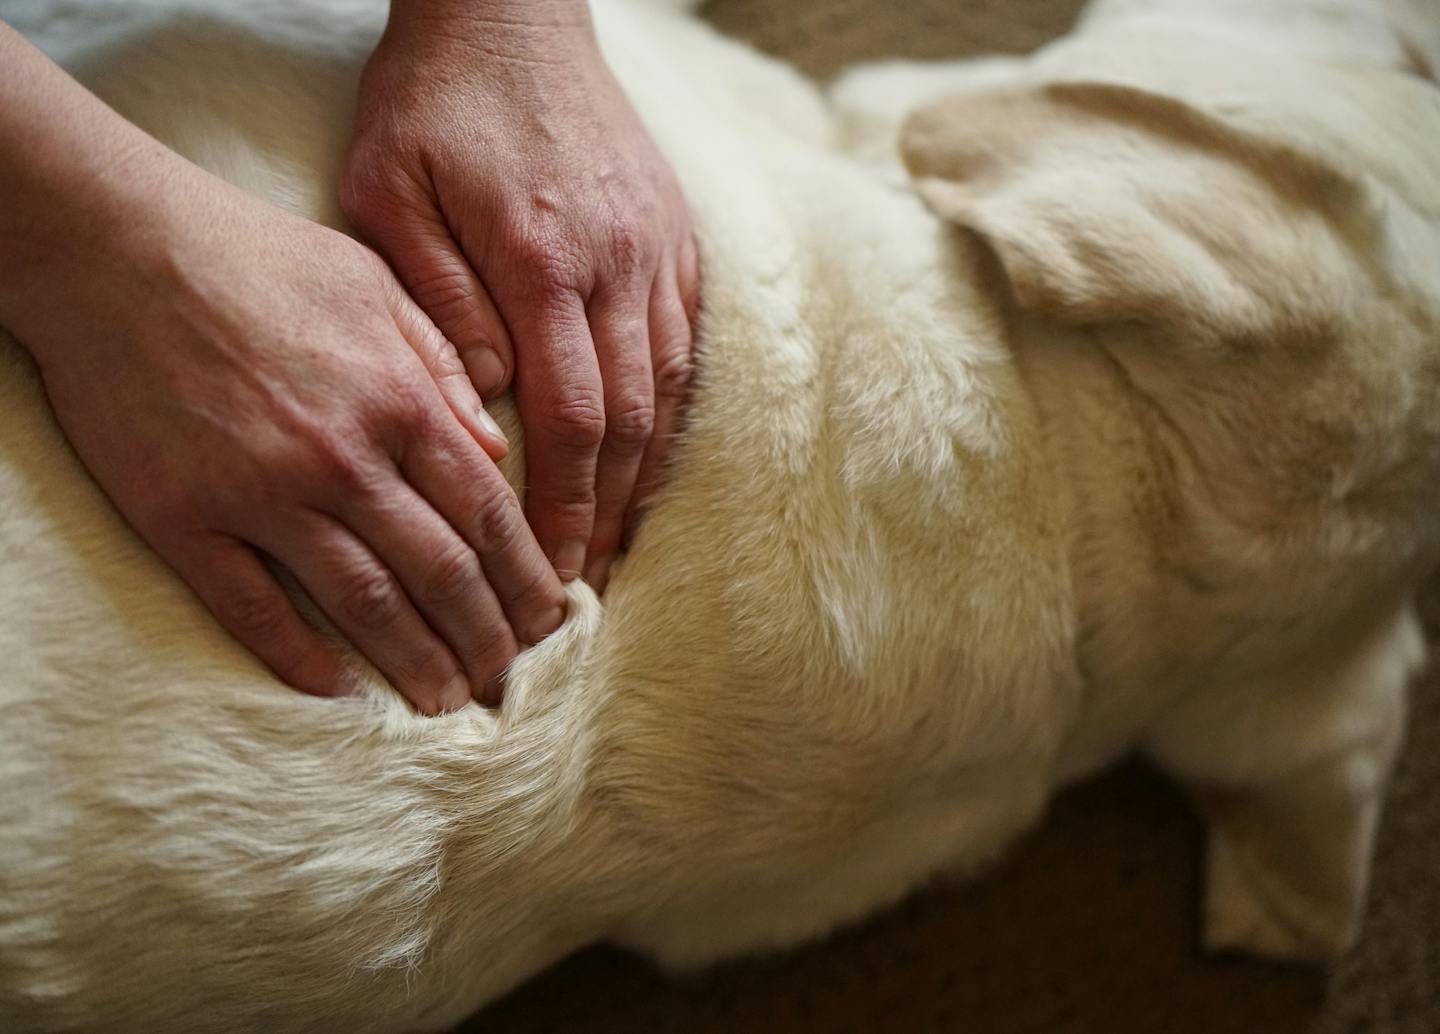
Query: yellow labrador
(1113, 426)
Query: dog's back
(840, 657)
(855, 498)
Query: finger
(561, 401)
(618, 321)
(442, 576)
(442, 282)
(252, 606)
(366, 602)
(688, 279)
(670, 343)
(469, 493)
(449, 374)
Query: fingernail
(596, 573)
(491, 427)
(569, 560)
(493, 692)
(536, 631)
(487, 372)
(457, 694)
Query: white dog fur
(1118, 431)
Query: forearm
(78, 185)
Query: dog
(1047, 410)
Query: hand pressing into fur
(244, 383)
(500, 169)
(290, 399)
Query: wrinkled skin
(272, 391)
(500, 169)
(284, 395)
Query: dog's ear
(1106, 203)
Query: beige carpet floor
(1090, 925)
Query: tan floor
(1090, 925)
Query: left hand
(500, 169)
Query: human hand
(500, 169)
(239, 380)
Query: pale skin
(246, 385)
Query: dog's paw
(1251, 911)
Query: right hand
(242, 382)
(500, 168)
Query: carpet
(1090, 926)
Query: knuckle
(571, 504)
(535, 251)
(256, 615)
(369, 599)
(411, 413)
(550, 266)
(497, 522)
(397, 414)
(578, 423)
(446, 295)
(672, 372)
(631, 421)
(452, 576)
(339, 462)
(628, 247)
(446, 364)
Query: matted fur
(1128, 441)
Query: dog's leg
(1290, 773)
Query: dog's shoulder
(1252, 263)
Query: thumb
(445, 367)
(438, 276)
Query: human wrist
(86, 195)
(501, 28)
(500, 13)
(79, 269)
